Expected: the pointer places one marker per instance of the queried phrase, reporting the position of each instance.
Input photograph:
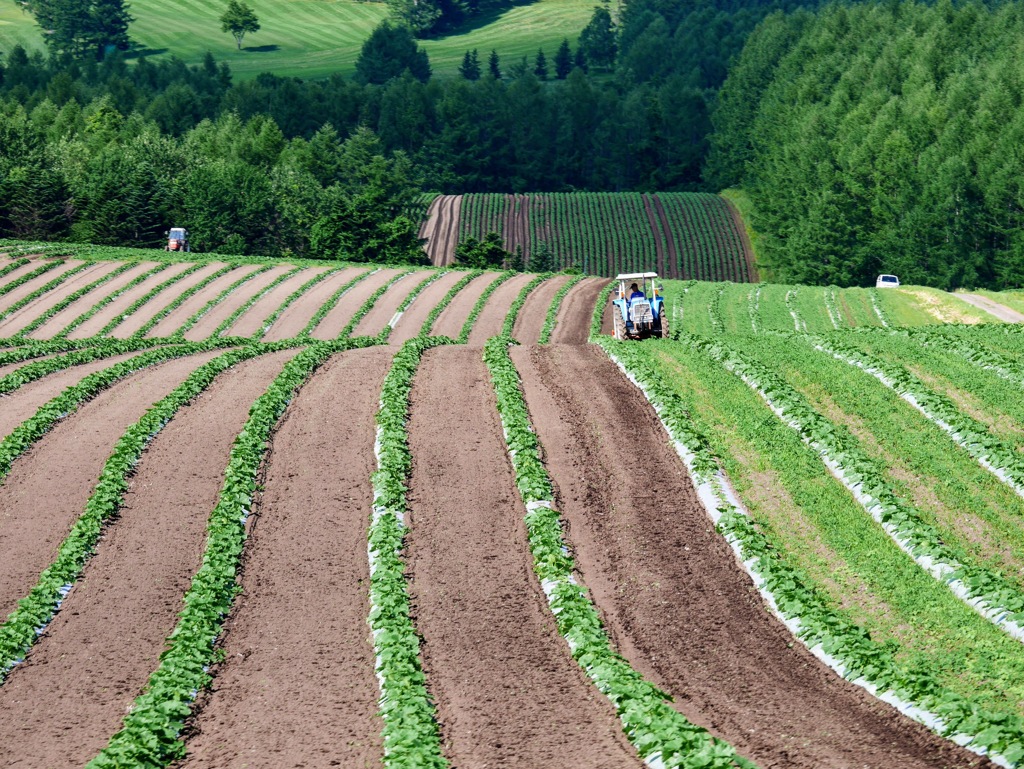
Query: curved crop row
(411, 735)
(201, 312)
(49, 286)
(44, 268)
(21, 628)
(40, 319)
(556, 304)
(146, 298)
(366, 306)
(229, 321)
(661, 735)
(9, 268)
(409, 299)
(150, 733)
(517, 305)
(435, 313)
(833, 639)
(331, 303)
(467, 327)
(109, 298)
(293, 297)
(181, 298)
(990, 595)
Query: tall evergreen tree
(597, 40)
(563, 60)
(540, 65)
(389, 51)
(470, 67)
(494, 65)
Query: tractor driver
(636, 293)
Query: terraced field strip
(299, 294)
(492, 317)
(299, 625)
(451, 321)
(47, 327)
(530, 323)
(32, 290)
(573, 323)
(213, 318)
(411, 322)
(507, 692)
(19, 286)
(384, 309)
(253, 320)
(676, 601)
(110, 314)
(335, 321)
(295, 319)
(92, 276)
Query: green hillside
(314, 38)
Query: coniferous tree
(540, 65)
(563, 60)
(388, 52)
(470, 67)
(580, 60)
(110, 22)
(597, 40)
(494, 65)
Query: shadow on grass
(261, 48)
(482, 18)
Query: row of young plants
(517, 305)
(67, 301)
(332, 302)
(109, 299)
(135, 306)
(32, 296)
(229, 321)
(19, 631)
(556, 303)
(199, 314)
(407, 302)
(150, 732)
(831, 637)
(366, 306)
(17, 264)
(411, 734)
(435, 313)
(994, 455)
(988, 593)
(293, 297)
(180, 298)
(478, 308)
(661, 735)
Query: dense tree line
(881, 138)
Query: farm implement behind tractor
(639, 307)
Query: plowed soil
(673, 596)
(19, 293)
(57, 323)
(387, 305)
(98, 321)
(453, 317)
(294, 319)
(342, 313)
(413, 318)
(530, 322)
(508, 692)
(180, 314)
(21, 271)
(297, 686)
(18, 320)
(574, 316)
(60, 706)
(492, 318)
(47, 488)
(253, 319)
(237, 298)
(156, 305)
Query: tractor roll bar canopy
(636, 275)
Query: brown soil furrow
(342, 313)
(20, 272)
(62, 704)
(177, 317)
(99, 321)
(675, 600)
(46, 489)
(452, 317)
(670, 241)
(252, 320)
(57, 323)
(438, 246)
(490, 321)
(429, 228)
(19, 405)
(297, 687)
(413, 318)
(294, 319)
(451, 238)
(530, 322)
(19, 293)
(209, 322)
(508, 692)
(166, 297)
(656, 234)
(577, 311)
(21, 318)
(386, 306)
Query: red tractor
(177, 240)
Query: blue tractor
(639, 307)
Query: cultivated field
(679, 235)
(263, 514)
(317, 38)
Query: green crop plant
(556, 302)
(67, 301)
(181, 298)
(201, 312)
(331, 303)
(385, 332)
(293, 297)
(467, 327)
(517, 305)
(229, 321)
(435, 313)
(366, 306)
(146, 298)
(109, 299)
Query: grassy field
(315, 38)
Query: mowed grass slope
(316, 38)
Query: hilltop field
(317, 38)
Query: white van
(887, 281)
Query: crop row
(247, 305)
(478, 308)
(556, 302)
(146, 298)
(844, 646)
(43, 317)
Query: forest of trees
(881, 138)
